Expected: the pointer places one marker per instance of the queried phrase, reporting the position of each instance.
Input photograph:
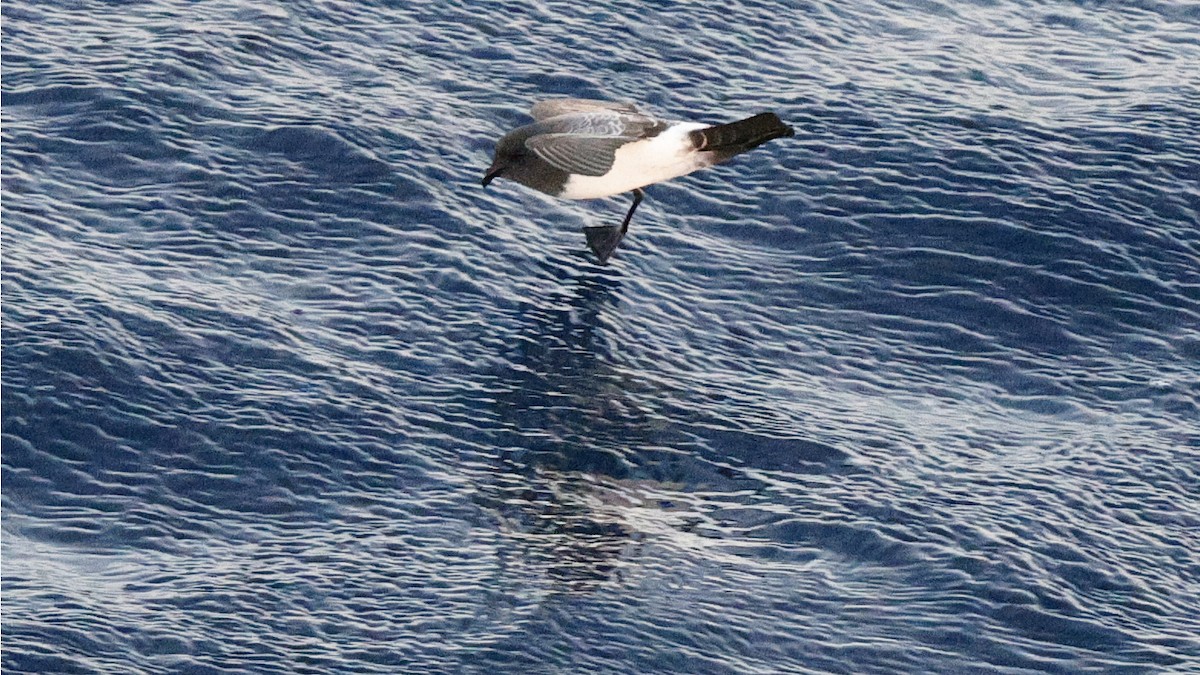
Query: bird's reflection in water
(570, 459)
(568, 398)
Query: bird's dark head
(509, 152)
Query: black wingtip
(603, 241)
(743, 135)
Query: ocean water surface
(285, 391)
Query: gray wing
(564, 106)
(602, 123)
(587, 154)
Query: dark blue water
(284, 390)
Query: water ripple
(285, 391)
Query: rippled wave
(914, 391)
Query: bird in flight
(583, 149)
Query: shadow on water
(563, 406)
(579, 447)
(583, 438)
(566, 399)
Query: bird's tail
(737, 137)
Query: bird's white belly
(640, 163)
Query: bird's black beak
(492, 173)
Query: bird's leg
(637, 199)
(603, 240)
